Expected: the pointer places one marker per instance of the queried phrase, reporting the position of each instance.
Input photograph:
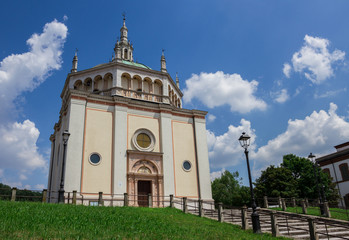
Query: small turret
(163, 62)
(177, 80)
(75, 62)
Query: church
(128, 133)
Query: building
(336, 166)
(128, 133)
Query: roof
(342, 145)
(136, 64)
(333, 157)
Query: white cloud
(65, 18)
(24, 72)
(18, 147)
(217, 89)
(225, 150)
(217, 174)
(281, 96)
(210, 117)
(287, 70)
(317, 133)
(329, 93)
(315, 60)
(39, 186)
(20, 73)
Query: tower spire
(123, 48)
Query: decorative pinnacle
(76, 52)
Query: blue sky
(276, 69)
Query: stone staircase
(291, 226)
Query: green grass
(336, 213)
(25, 220)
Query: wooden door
(144, 188)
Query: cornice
(134, 104)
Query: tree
(295, 178)
(304, 173)
(227, 189)
(22, 195)
(275, 182)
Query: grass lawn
(26, 220)
(336, 213)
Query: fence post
(274, 224)
(283, 202)
(306, 202)
(171, 200)
(312, 229)
(280, 202)
(200, 208)
(293, 199)
(44, 195)
(327, 210)
(304, 207)
(150, 200)
(100, 199)
(13, 195)
(244, 223)
(220, 212)
(185, 208)
(266, 204)
(74, 197)
(125, 200)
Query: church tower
(129, 134)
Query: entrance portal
(144, 188)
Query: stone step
(288, 226)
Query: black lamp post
(245, 142)
(65, 136)
(312, 159)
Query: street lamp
(65, 136)
(245, 143)
(312, 159)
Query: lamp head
(244, 140)
(65, 135)
(311, 156)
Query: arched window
(125, 54)
(344, 171)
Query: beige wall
(98, 138)
(136, 122)
(183, 149)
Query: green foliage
(294, 178)
(274, 182)
(27, 220)
(227, 189)
(21, 194)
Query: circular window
(186, 165)
(143, 140)
(95, 158)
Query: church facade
(128, 133)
